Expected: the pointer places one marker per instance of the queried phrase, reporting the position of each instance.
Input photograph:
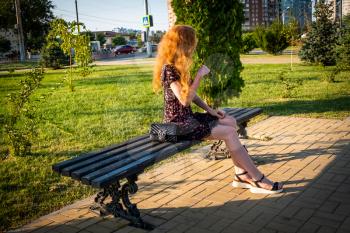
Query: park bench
(105, 169)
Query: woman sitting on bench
(172, 73)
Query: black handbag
(164, 132)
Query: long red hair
(176, 48)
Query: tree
(101, 38)
(90, 35)
(36, 16)
(343, 47)
(248, 42)
(71, 41)
(321, 40)
(5, 45)
(219, 28)
(273, 39)
(21, 117)
(118, 40)
(156, 37)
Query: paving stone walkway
(192, 194)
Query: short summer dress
(198, 125)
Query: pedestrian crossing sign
(147, 21)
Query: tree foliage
(52, 55)
(273, 39)
(248, 42)
(219, 28)
(21, 118)
(101, 37)
(71, 41)
(292, 31)
(36, 16)
(90, 35)
(343, 47)
(322, 39)
(118, 40)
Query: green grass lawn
(116, 103)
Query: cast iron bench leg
(121, 208)
(223, 153)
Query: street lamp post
(283, 14)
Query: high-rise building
(260, 12)
(346, 7)
(340, 8)
(301, 10)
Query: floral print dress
(196, 126)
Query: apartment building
(260, 12)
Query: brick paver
(191, 194)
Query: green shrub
(289, 85)
(52, 55)
(21, 119)
(219, 29)
(119, 40)
(248, 42)
(273, 39)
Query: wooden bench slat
(59, 166)
(252, 113)
(138, 166)
(232, 111)
(103, 164)
(237, 113)
(87, 179)
(68, 170)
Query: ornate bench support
(223, 153)
(124, 208)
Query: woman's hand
(218, 113)
(203, 71)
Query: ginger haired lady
(172, 74)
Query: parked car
(124, 49)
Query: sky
(101, 15)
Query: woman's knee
(229, 120)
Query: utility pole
(20, 31)
(148, 44)
(76, 12)
(341, 13)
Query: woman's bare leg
(238, 154)
(231, 121)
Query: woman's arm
(200, 103)
(176, 87)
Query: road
(141, 58)
(125, 59)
